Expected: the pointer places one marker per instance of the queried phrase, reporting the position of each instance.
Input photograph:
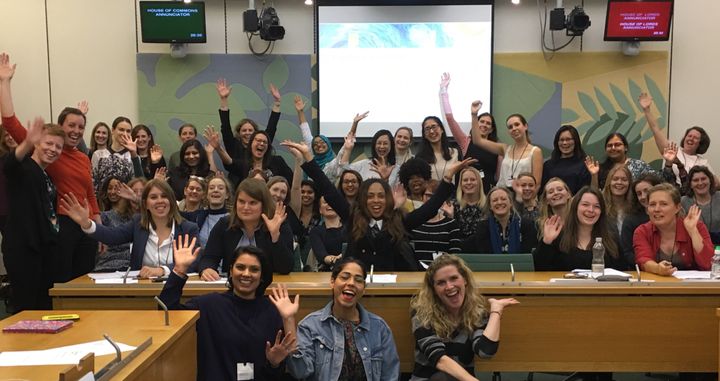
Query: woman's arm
(700, 238)
(478, 140)
(295, 188)
(304, 126)
(460, 137)
(661, 141)
(537, 166)
(229, 139)
(271, 129)
(184, 254)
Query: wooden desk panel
(171, 356)
(666, 325)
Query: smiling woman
(566, 160)
(350, 342)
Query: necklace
(439, 174)
(516, 162)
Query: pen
(372, 269)
(127, 272)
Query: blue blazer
(132, 232)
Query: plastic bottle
(598, 259)
(715, 270)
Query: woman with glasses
(349, 184)
(670, 242)
(616, 149)
(566, 161)
(194, 191)
(519, 157)
(488, 162)
(151, 233)
(435, 148)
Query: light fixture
(187, 1)
(515, 2)
(308, 2)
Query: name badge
(245, 371)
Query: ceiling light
(308, 2)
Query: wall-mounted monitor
(172, 22)
(638, 20)
(387, 57)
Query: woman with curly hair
(452, 322)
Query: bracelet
(495, 312)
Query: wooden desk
(171, 356)
(665, 325)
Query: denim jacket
(321, 347)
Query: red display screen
(638, 20)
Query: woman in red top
(670, 242)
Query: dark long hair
(316, 201)
(569, 239)
(635, 205)
(151, 139)
(203, 166)
(392, 218)
(268, 152)
(426, 151)
(391, 153)
(353, 172)
(578, 153)
(492, 136)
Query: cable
(543, 27)
(256, 54)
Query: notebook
(38, 326)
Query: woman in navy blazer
(151, 232)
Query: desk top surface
(127, 327)
(408, 283)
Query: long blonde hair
(459, 194)
(613, 208)
(545, 209)
(431, 312)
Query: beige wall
(92, 46)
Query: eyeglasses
(614, 145)
(431, 127)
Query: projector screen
(388, 60)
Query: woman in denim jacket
(344, 341)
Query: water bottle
(598, 259)
(715, 270)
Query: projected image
(393, 68)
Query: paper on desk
(382, 278)
(71, 354)
(608, 271)
(115, 275)
(116, 281)
(692, 274)
(220, 281)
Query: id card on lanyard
(245, 371)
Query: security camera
(268, 24)
(575, 23)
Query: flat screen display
(172, 22)
(388, 59)
(638, 20)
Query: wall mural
(595, 92)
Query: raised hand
(645, 101)
(222, 88)
(83, 106)
(454, 168)
(475, 107)
(298, 149)
(212, 137)
(281, 349)
(399, 195)
(161, 174)
(35, 131)
(299, 104)
(383, 169)
(444, 81)
(156, 154)
(130, 144)
(592, 165)
(280, 298)
(670, 153)
(273, 224)
(70, 206)
(349, 143)
(128, 193)
(275, 92)
(7, 70)
(551, 229)
(691, 220)
(359, 117)
(448, 209)
(184, 253)
(500, 304)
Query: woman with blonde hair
(555, 201)
(469, 201)
(617, 195)
(452, 321)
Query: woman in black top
(377, 231)
(567, 160)
(259, 155)
(193, 162)
(567, 243)
(151, 155)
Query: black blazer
(384, 253)
(222, 242)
